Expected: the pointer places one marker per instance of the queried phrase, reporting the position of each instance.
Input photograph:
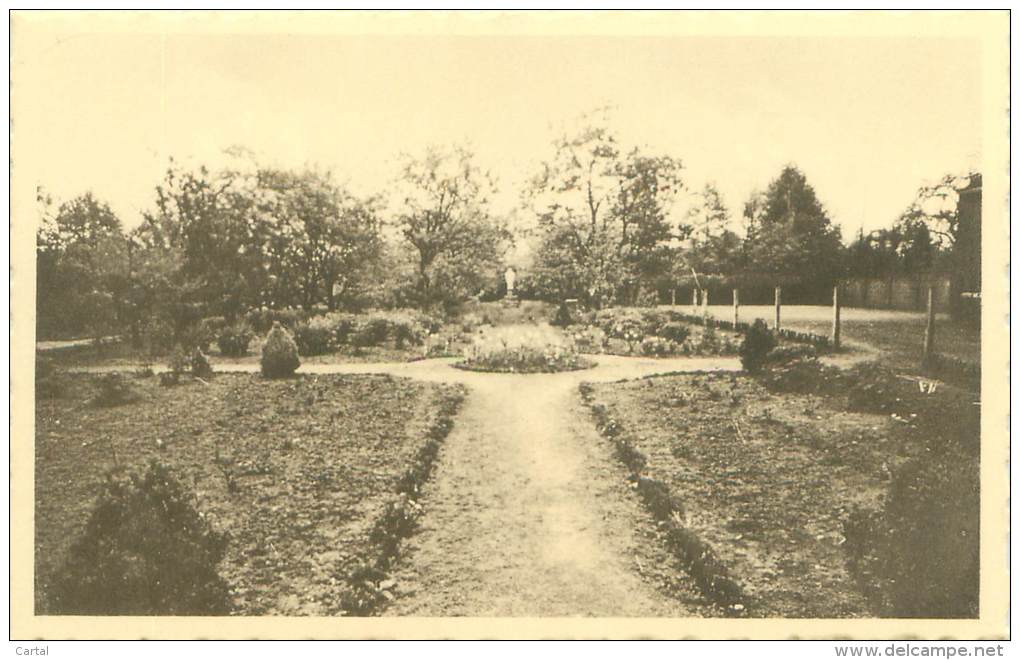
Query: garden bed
(300, 473)
(767, 482)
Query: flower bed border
(820, 342)
(710, 575)
(465, 365)
(366, 590)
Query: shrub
(407, 332)
(803, 376)
(262, 320)
(343, 327)
(675, 331)
(562, 317)
(145, 551)
(789, 353)
(758, 341)
(709, 343)
(315, 336)
(652, 321)
(279, 353)
(114, 390)
(373, 331)
(233, 340)
(919, 556)
(658, 347)
(214, 324)
(196, 336)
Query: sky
(868, 120)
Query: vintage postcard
(509, 324)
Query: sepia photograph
(509, 324)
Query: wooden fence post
(704, 303)
(835, 316)
(929, 331)
(694, 297)
(736, 307)
(672, 297)
(779, 298)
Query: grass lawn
(899, 336)
(313, 461)
(766, 480)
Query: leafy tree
(251, 236)
(709, 217)
(444, 219)
(935, 209)
(604, 217)
(326, 237)
(81, 267)
(712, 247)
(206, 239)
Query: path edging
(368, 587)
(710, 575)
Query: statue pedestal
(511, 301)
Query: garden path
(527, 513)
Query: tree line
(608, 225)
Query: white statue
(511, 276)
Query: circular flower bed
(523, 350)
(526, 361)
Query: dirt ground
(313, 458)
(766, 480)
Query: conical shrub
(279, 353)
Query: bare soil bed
(765, 480)
(295, 471)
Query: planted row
(697, 557)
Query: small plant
(144, 371)
(363, 595)
(758, 341)
(562, 317)
(233, 340)
(709, 343)
(658, 347)
(145, 551)
(178, 365)
(279, 354)
(114, 390)
(200, 367)
(674, 331)
(228, 469)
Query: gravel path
(528, 513)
